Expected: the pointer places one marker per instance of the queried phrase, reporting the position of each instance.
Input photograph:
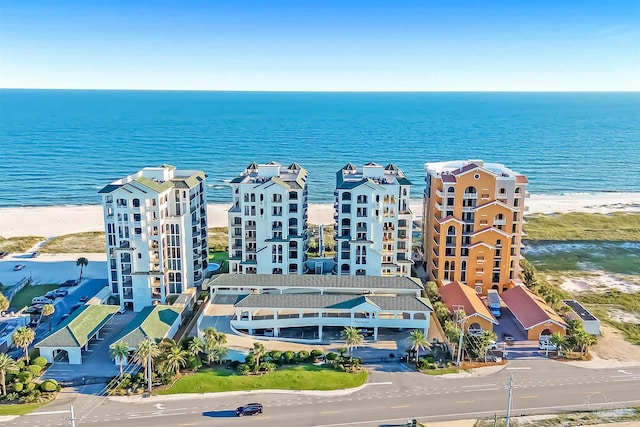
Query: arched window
(517, 190)
(344, 269)
(503, 191)
(136, 203)
(451, 190)
(451, 231)
(346, 196)
(346, 222)
(470, 190)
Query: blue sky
(321, 45)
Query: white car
(493, 345)
(546, 345)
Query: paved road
(392, 397)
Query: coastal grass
(305, 377)
(25, 295)
(89, 242)
(618, 226)
(218, 238)
(19, 244)
(610, 257)
(601, 304)
(19, 408)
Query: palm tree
(119, 352)
(6, 364)
(352, 338)
(258, 351)
(175, 359)
(213, 340)
(196, 346)
(23, 337)
(4, 302)
(47, 311)
(418, 342)
(558, 340)
(583, 340)
(146, 349)
(81, 262)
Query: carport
(534, 315)
(74, 334)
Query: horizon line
(317, 91)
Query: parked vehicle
(34, 254)
(40, 300)
(3, 254)
(69, 283)
(84, 299)
(493, 345)
(64, 316)
(121, 310)
(74, 307)
(249, 409)
(18, 267)
(61, 293)
(494, 302)
(51, 295)
(546, 345)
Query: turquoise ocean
(60, 147)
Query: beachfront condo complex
(156, 231)
(472, 225)
(268, 220)
(373, 221)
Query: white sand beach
(59, 220)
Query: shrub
(303, 355)
(24, 376)
(34, 369)
(315, 353)
(429, 359)
(275, 355)
(31, 386)
(49, 386)
(40, 361)
(12, 396)
(18, 387)
(243, 369)
(139, 377)
(193, 362)
(288, 356)
(20, 364)
(331, 356)
(234, 364)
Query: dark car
(69, 283)
(18, 267)
(34, 254)
(3, 254)
(84, 299)
(51, 295)
(61, 293)
(250, 409)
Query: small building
(589, 322)
(8, 325)
(274, 312)
(458, 296)
(532, 312)
(157, 322)
(74, 334)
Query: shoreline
(52, 221)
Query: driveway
(95, 361)
(520, 348)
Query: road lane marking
(479, 385)
(186, 425)
(330, 412)
(465, 401)
(514, 368)
(529, 397)
(481, 389)
(399, 406)
(383, 383)
(46, 413)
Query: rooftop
(529, 308)
(454, 294)
(291, 177)
(151, 322)
(448, 170)
(313, 281)
(78, 328)
(351, 176)
(158, 179)
(577, 308)
(336, 302)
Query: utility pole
(459, 311)
(149, 373)
(509, 388)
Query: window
(362, 199)
(136, 203)
(277, 198)
(346, 208)
(346, 196)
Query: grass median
(307, 377)
(19, 408)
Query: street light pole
(510, 387)
(149, 373)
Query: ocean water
(61, 147)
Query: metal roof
(335, 302)
(313, 281)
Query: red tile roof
(521, 179)
(465, 168)
(529, 308)
(457, 294)
(448, 177)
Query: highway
(392, 396)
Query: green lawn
(19, 409)
(307, 377)
(26, 294)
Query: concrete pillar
(375, 333)
(320, 331)
(276, 332)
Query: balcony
(439, 194)
(499, 222)
(438, 206)
(469, 196)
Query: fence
(17, 288)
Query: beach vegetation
(4, 302)
(614, 227)
(23, 337)
(218, 238)
(81, 262)
(19, 244)
(603, 304)
(88, 242)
